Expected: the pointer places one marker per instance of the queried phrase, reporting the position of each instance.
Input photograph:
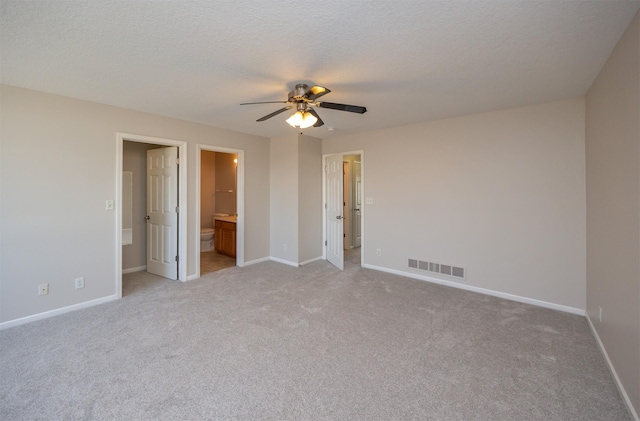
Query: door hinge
(177, 209)
(325, 242)
(177, 258)
(325, 205)
(177, 161)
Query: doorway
(126, 235)
(352, 204)
(343, 187)
(220, 208)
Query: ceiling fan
(303, 99)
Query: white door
(162, 212)
(335, 227)
(357, 201)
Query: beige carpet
(280, 343)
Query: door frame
(239, 201)
(324, 200)
(182, 201)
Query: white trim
(623, 392)
(56, 312)
(239, 203)
(485, 291)
(182, 201)
(286, 262)
(306, 262)
(253, 262)
(362, 208)
(192, 277)
(132, 270)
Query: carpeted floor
(275, 342)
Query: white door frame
(239, 201)
(324, 200)
(182, 201)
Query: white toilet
(206, 239)
(207, 234)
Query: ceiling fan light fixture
(302, 120)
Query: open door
(162, 212)
(334, 195)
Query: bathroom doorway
(220, 216)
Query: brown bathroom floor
(210, 261)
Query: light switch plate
(109, 205)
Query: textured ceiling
(406, 61)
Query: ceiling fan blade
(343, 107)
(265, 102)
(315, 114)
(316, 92)
(281, 110)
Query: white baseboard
(191, 277)
(306, 262)
(485, 291)
(286, 262)
(253, 262)
(132, 270)
(56, 312)
(621, 389)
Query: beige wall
(225, 188)
(309, 198)
(207, 188)
(57, 170)
(284, 198)
(613, 209)
(296, 198)
(501, 194)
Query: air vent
(458, 272)
(454, 271)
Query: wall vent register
(449, 270)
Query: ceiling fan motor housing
(298, 92)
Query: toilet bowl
(206, 239)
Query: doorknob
(357, 210)
(147, 217)
(339, 217)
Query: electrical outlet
(284, 247)
(378, 252)
(43, 289)
(369, 201)
(600, 313)
(80, 282)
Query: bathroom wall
(207, 188)
(225, 183)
